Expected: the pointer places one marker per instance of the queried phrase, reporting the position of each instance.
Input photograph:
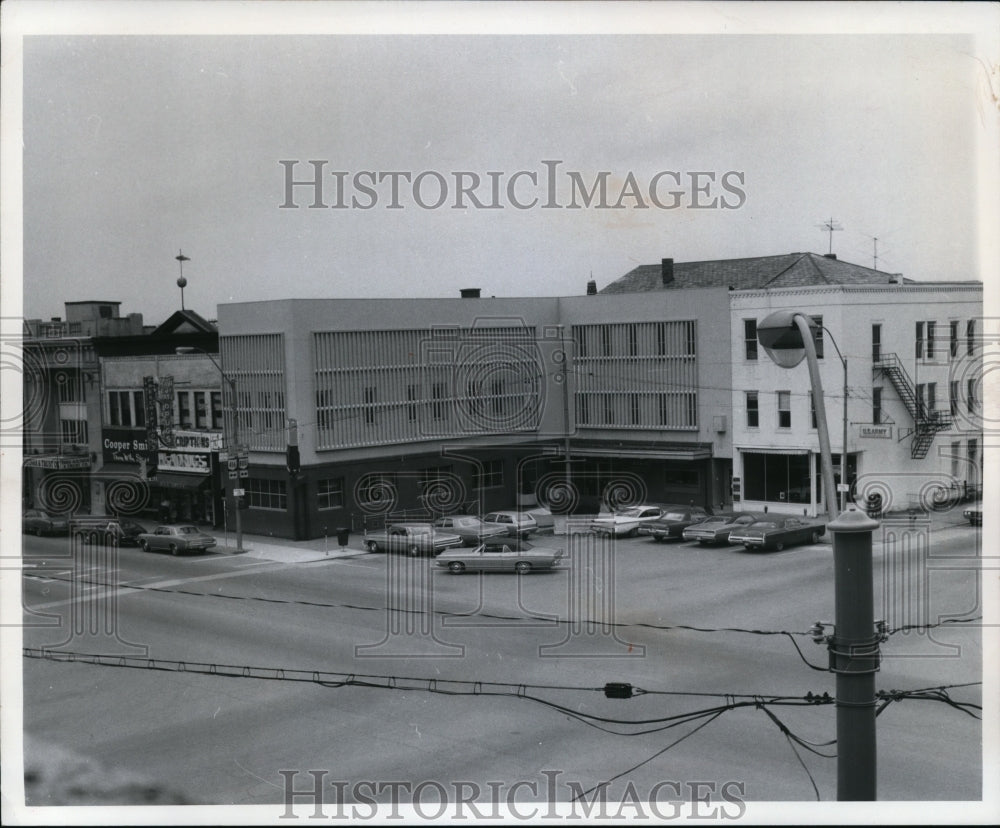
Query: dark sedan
(777, 532)
(673, 522)
(718, 527)
(38, 522)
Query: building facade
(421, 407)
(911, 414)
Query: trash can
(873, 505)
(343, 535)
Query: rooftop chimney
(470, 293)
(667, 271)
(591, 288)
(829, 255)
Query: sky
(139, 146)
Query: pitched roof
(184, 321)
(786, 270)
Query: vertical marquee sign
(165, 398)
(152, 441)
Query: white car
(625, 523)
(518, 524)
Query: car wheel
(815, 537)
(456, 567)
(144, 546)
(414, 551)
(779, 546)
(522, 567)
(173, 549)
(38, 531)
(372, 546)
(747, 546)
(631, 533)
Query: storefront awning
(60, 462)
(651, 453)
(759, 450)
(171, 480)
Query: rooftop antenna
(830, 226)
(181, 281)
(875, 254)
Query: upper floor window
(876, 406)
(753, 410)
(818, 335)
(784, 409)
(918, 350)
(876, 342)
(750, 338)
(953, 337)
(931, 328)
(970, 337)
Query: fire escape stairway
(926, 423)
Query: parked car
(517, 524)
(672, 523)
(626, 523)
(127, 531)
(513, 555)
(176, 538)
(716, 528)
(974, 514)
(777, 532)
(412, 538)
(543, 517)
(38, 522)
(469, 528)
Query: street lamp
(788, 337)
(843, 453)
(234, 444)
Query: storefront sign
(197, 440)
(882, 431)
(123, 445)
(184, 461)
(61, 462)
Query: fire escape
(926, 423)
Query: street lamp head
(780, 337)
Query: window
(919, 341)
(609, 410)
(692, 344)
(69, 388)
(970, 395)
(664, 410)
(956, 455)
(970, 337)
(490, 474)
(953, 397)
(753, 410)
(370, 398)
(73, 431)
(750, 338)
(877, 406)
(921, 404)
(818, 335)
(692, 410)
(184, 410)
(931, 398)
(931, 327)
(139, 408)
(412, 395)
(661, 340)
(606, 341)
(583, 409)
(633, 345)
(330, 493)
(953, 336)
(438, 392)
(784, 409)
(126, 408)
(104, 311)
(496, 392)
(776, 477)
(266, 494)
(636, 410)
(217, 410)
(876, 343)
(201, 409)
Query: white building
(913, 401)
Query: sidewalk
(284, 550)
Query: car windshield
(187, 530)
(764, 526)
(674, 516)
(720, 519)
(634, 511)
(469, 521)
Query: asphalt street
(387, 669)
